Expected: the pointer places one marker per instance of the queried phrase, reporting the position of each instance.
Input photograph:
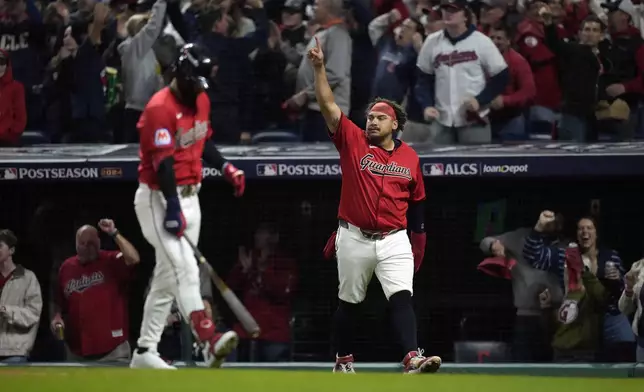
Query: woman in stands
(632, 301)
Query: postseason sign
(321, 161)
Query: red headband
(385, 108)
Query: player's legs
(178, 272)
(356, 262)
(395, 271)
(157, 304)
(162, 288)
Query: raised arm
(540, 255)
(323, 93)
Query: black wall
(447, 288)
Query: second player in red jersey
(382, 185)
(175, 135)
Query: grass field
(230, 380)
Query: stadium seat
(275, 137)
(481, 352)
(30, 138)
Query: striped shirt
(553, 258)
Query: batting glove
(174, 222)
(236, 177)
(329, 248)
(418, 244)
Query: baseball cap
(455, 4)
(294, 6)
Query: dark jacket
(579, 70)
(624, 54)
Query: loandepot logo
(505, 169)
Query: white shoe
(415, 363)
(149, 360)
(225, 344)
(344, 364)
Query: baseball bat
(243, 315)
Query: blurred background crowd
(82, 71)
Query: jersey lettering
(454, 58)
(14, 42)
(194, 134)
(83, 283)
(381, 169)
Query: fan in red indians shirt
(381, 183)
(91, 306)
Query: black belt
(188, 190)
(369, 234)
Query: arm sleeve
(259, 37)
(418, 186)
(636, 85)
(497, 70)
(543, 257)
(142, 42)
(416, 216)
(177, 19)
(426, 81)
(337, 61)
(28, 314)
(626, 304)
(486, 244)
(122, 270)
(157, 128)
(346, 133)
(377, 28)
(212, 156)
(425, 89)
(19, 119)
(527, 89)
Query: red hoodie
(530, 44)
(13, 114)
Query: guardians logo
(381, 169)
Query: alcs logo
(450, 169)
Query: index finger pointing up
(317, 42)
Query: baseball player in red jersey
(174, 135)
(381, 183)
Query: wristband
(115, 233)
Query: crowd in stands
(82, 71)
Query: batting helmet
(193, 65)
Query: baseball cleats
(149, 360)
(217, 349)
(416, 363)
(344, 364)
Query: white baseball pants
(176, 273)
(390, 258)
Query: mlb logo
(9, 173)
(433, 169)
(266, 169)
